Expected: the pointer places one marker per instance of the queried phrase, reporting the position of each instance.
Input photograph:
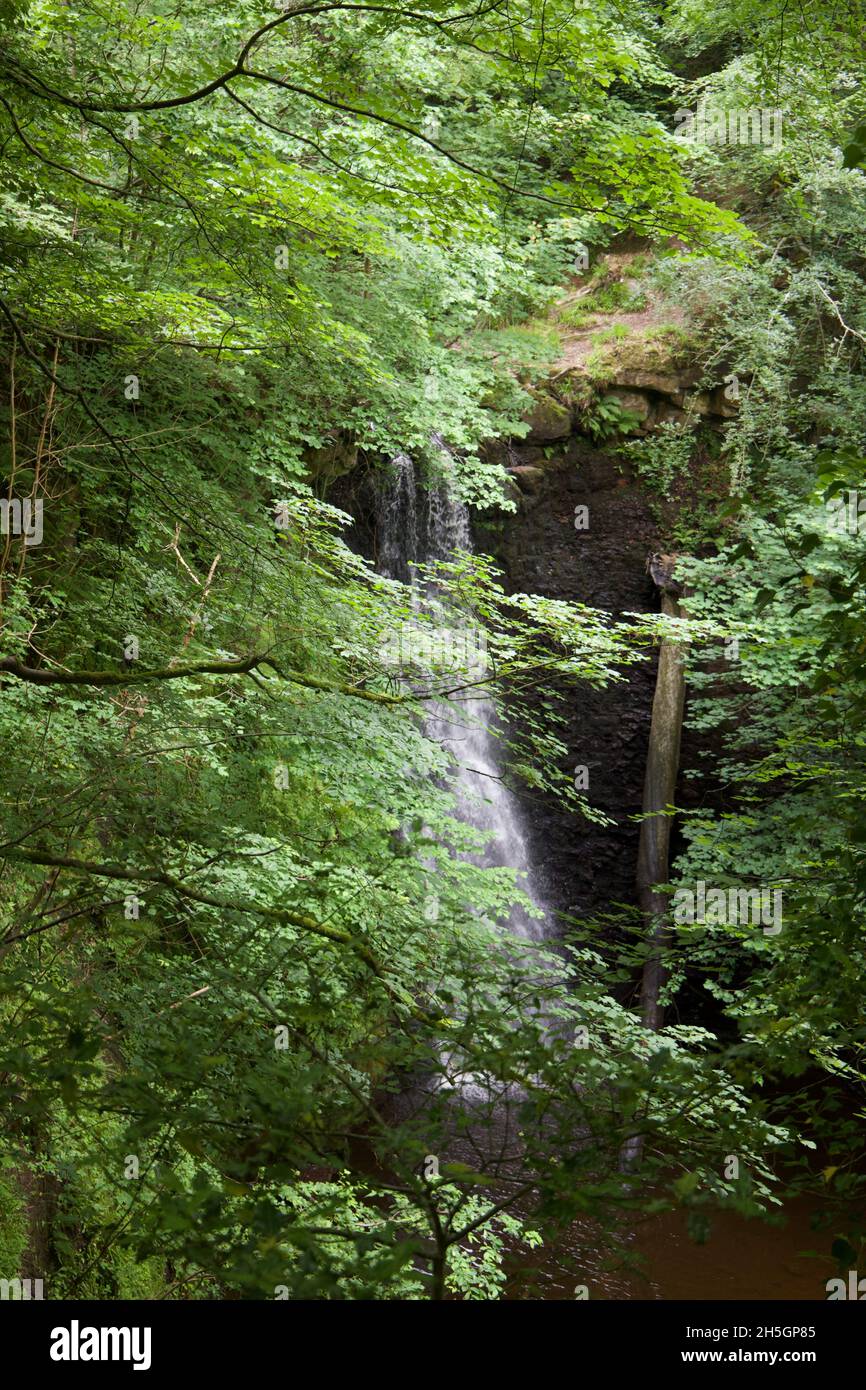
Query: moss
(679, 346)
(664, 349)
(611, 297)
(615, 333)
(619, 295)
(548, 419)
(576, 315)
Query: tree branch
(240, 667)
(286, 916)
(37, 87)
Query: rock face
(654, 393)
(637, 403)
(668, 383)
(527, 477)
(662, 571)
(585, 868)
(548, 420)
(333, 459)
(654, 398)
(582, 868)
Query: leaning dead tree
(659, 792)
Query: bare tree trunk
(659, 792)
(660, 783)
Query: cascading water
(415, 527)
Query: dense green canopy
(245, 250)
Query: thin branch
(285, 916)
(241, 70)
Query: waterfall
(398, 532)
(416, 527)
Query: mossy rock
(528, 477)
(548, 420)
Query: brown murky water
(742, 1259)
(748, 1260)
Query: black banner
(86, 1340)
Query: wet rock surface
(581, 868)
(585, 868)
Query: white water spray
(415, 528)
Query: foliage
(779, 575)
(664, 456)
(247, 253)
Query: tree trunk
(660, 783)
